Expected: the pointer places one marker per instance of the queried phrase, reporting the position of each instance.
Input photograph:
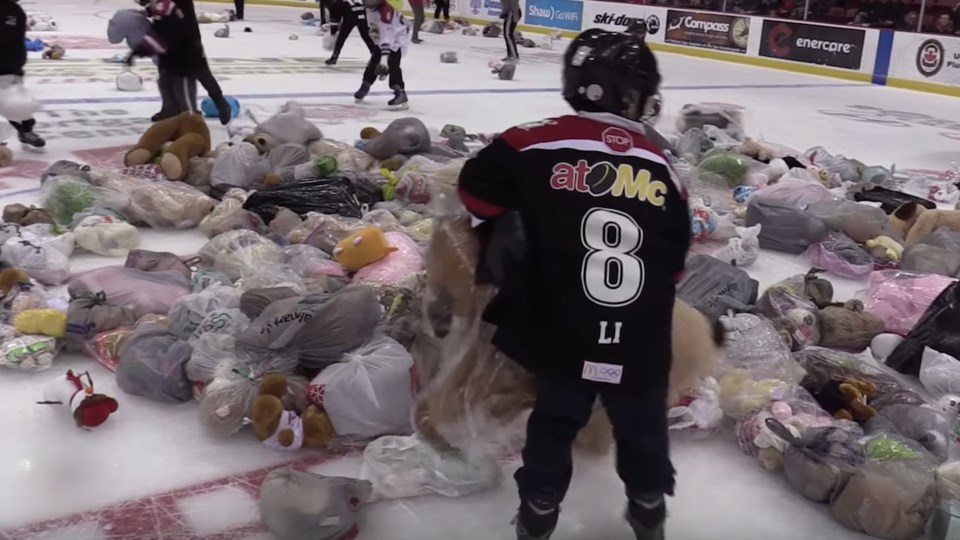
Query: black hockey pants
(564, 407)
(179, 93)
(393, 61)
(343, 33)
(509, 31)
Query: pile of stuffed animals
(336, 303)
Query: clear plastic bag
(227, 399)
(723, 169)
(841, 256)
(265, 277)
(324, 232)
(43, 263)
(818, 463)
(933, 189)
(254, 301)
(848, 326)
(105, 346)
(142, 292)
(930, 259)
(943, 238)
(700, 412)
(290, 125)
(743, 250)
(228, 321)
(398, 266)
(900, 298)
(720, 115)
(28, 353)
(161, 205)
(154, 261)
(369, 392)
(229, 215)
(66, 196)
(860, 222)
(90, 314)
(939, 373)
(235, 251)
(214, 355)
(403, 467)
(349, 159)
(16, 102)
(241, 166)
(796, 193)
(152, 365)
(106, 236)
(189, 310)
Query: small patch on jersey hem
(605, 373)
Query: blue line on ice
(448, 92)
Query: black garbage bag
(334, 195)
(715, 287)
(889, 199)
(939, 329)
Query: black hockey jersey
(175, 24)
(348, 10)
(607, 232)
(13, 30)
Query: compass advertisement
(708, 30)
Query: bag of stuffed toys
(161, 205)
(188, 312)
(369, 392)
(715, 287)
(106, 235)
(842, 256)
(784, 227)
(861, 222)
(792, 306)
(297, 505)
(152, 364)
(319, 327)
(819, 463)
(90, 314)
(235, 251)
(142, 292)
(900, 298)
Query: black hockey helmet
(611, 72)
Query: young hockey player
(176, 41)
(13, 56)
(394, 40)
(588, 306)
(510, 13)
(345, 15)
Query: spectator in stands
(909, 21)
(883, 13)
(943, 24)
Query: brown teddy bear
(286, 430)
(914, 222)
(847, 399)
(189, 137)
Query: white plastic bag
(239, 165)
(16, 103)
(402, 467)
(702, 414)
(743, 250)
(370, 393)
(939, 373)
(45, 264)
(189, 310)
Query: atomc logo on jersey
(930, 57)
(605, 178)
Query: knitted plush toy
(76, 391)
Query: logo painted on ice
(930, 57)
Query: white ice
(49, 469)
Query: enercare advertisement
(813, 44)
(926, 58)
(562, 14)
(708, 30)
(618, 17)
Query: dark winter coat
(175, 24)
(13, 30)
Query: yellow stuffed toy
(886, 247)
(740, 393)
(45, 322)
(189, 135)
(362, 247)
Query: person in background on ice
(345, 15)
(443, 8)
(510, 13)
(587, 304)
(176, 42)
(394, 40)
(416, 6)
(324, 10)
(13, 56)
(238, 4)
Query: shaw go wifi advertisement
(562, 14)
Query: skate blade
(401, 107)
(33, 149)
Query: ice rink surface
(152, 473)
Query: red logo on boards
(617, 139)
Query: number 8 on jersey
(612, 273)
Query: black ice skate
(362, 92)
(399, 101)
(511, 59)
(332, 61)
(646, 515)
(32, 142)
(536, 521)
